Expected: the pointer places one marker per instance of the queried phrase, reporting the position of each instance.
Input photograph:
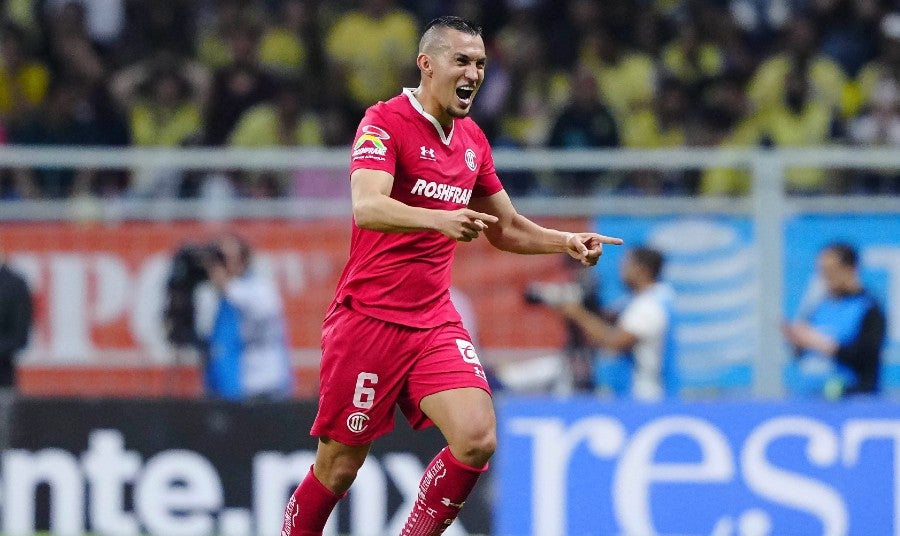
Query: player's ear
(424, 63)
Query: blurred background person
(72, 51)
(16, 312)
(660, 124)
(103, 20)
(536, 89)
(23, 79)
(368, 50)
(244, 328)
(237, 86)
(163, 100)
(586, 122)
(61, 120)
(878, 126)
(726, 123)
(572, 370)
(626, 76)
(884, 70)
(837, 337)
(216, 21)
(801, 119)
(801, 57)
(692, 58)
(875, 99)
(291, 45)
(847, 28)
(644, 329)
(287, 120)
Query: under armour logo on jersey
(426, 153)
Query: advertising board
(194, 468)
(583, 467)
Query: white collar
(445, 138)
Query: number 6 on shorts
(364, 395)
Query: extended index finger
(483, 216)
(610, 240)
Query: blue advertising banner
(582, 467)
(711, 266)
(877, 239)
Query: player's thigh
(464, 415)
(364, 368)
(448, 386)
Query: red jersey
(405, 277)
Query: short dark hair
(845, 253)
(650, 259)
(454, 23)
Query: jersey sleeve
(487, 183)
(374, 147)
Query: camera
(553, 294)
(190, 263)
(189, 268)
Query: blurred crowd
(561, 74)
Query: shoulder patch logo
(370, 143)
(470, 160)
(378, 132)
(370, 139)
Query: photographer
(16, 317)
(575, 370)
(239, 317)
(644, 330)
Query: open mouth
(465, 93)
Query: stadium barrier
(764, 230)
(573, 467)
(194, 468)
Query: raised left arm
(517, 234)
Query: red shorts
(370, 366)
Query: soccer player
(422, 179)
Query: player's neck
(433, 108)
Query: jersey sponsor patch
(444, 192)
(370, 144)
